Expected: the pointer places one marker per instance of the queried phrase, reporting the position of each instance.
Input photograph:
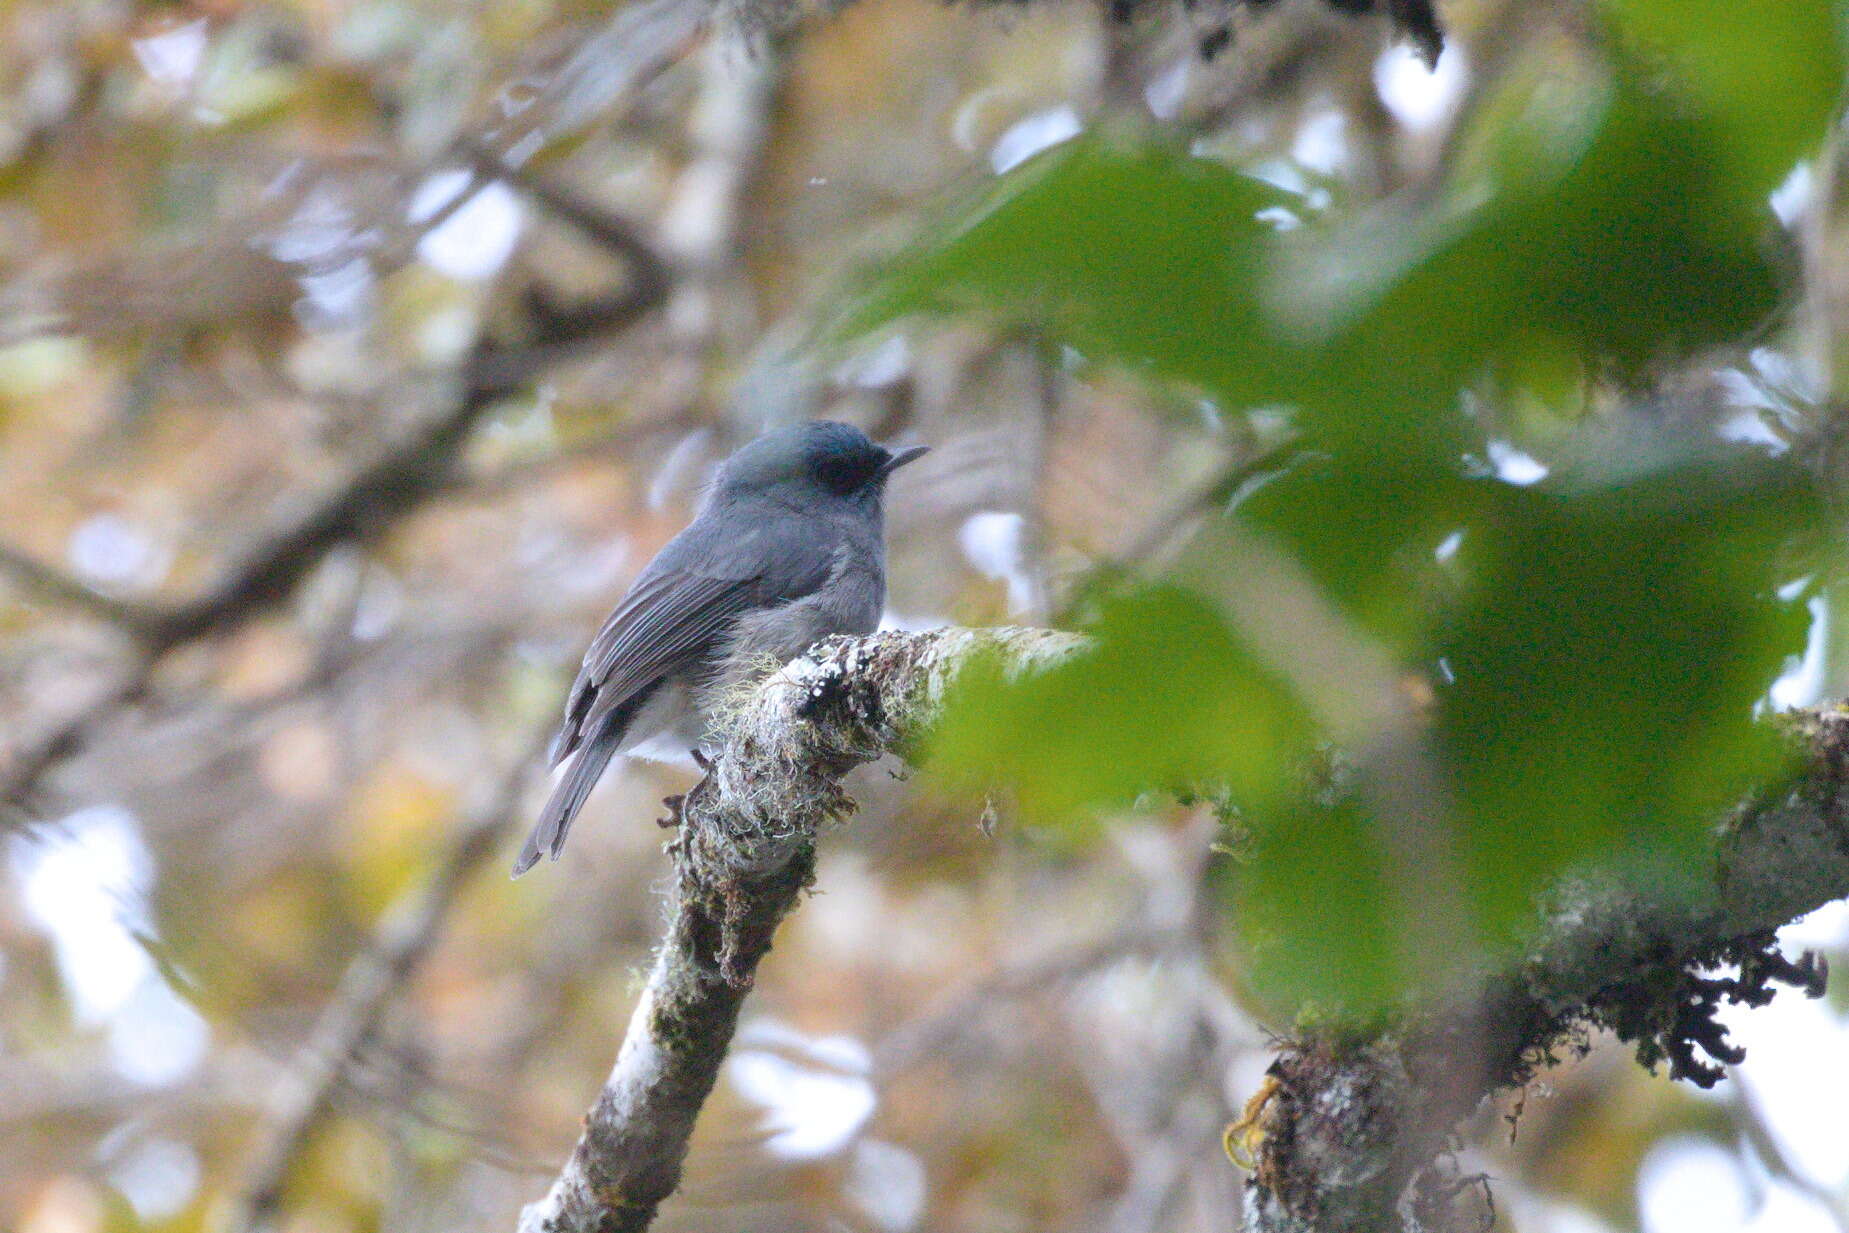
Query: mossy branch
(744, 854)
(1354, 1123)
(1353, 1130)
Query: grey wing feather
(680, 610)
(681, 605)
(667, 619)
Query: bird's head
(817, 458)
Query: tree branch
(55, 586)
(1347, 1130)
(744, 854)
(20, 774)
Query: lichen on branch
(1355, 1127)
(742, 856)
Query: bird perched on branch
(788, 548)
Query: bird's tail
(568, 798)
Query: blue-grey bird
(788, 548)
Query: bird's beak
(899, 458)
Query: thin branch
(1351, 1120)
(372, 499)
(1159, 1168)
(740, 72)
(1756, 1127)
(744, 855)
(648, 269)
(1171, 916)
(1204, 498)
(617, 442)
(43, 1089)
(404, 939)
(55, 586)
(914, 1041)
(20, 775)
(640, 40)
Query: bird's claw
(673, 804)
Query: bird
(787, 548)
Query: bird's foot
(700, 759)
(674, 805)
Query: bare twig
(20, 775)
(1756, 1128)
(728, 128)
(635, 45)
(1161, 1164)
(41, 1089)
(617, 442)
(745, 852)
(1197, 502)
(1169, 917)
(647, 267)
(920, 1038)
(58, 587)
(638, 44)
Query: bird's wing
(669, 619)
(683, 603)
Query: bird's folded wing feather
(681, 606)
(669, 619)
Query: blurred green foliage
(1581, 660)
(1167, 697)
(1605, 669)
(1598, 222)
(1766, 77)
(1318, 913)
(1142, 255)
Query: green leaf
(1315, 909)
(1597, 224)
(1165, 698)
(1615, 242)
(1606, 672)
(1140, 254)
(1368, 533)
(1597, 662)
(1607, 637)
(1767, 78)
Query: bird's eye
(844, 471)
